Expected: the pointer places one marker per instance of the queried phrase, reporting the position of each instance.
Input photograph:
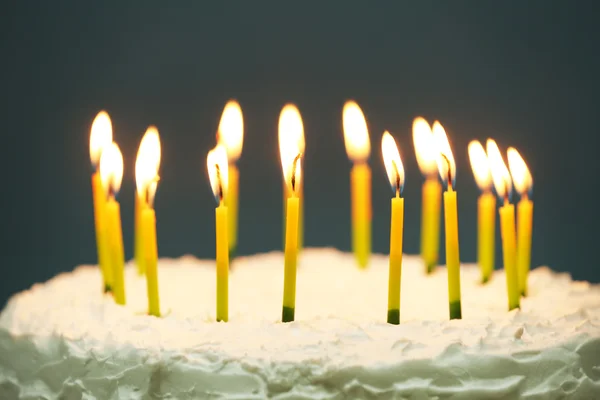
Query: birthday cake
(65, 340)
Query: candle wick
(449, 170)
(397, 178)
(505, 193)
(294, 163)
(219, 182)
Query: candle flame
(291, 145)
(356, 134)
(231, 130)
(218, 171)
(445, 159)
(392, 162)
(147, 164)
(520, 173)
(500, 174)
(100, 137)
(111, 169)
(480, 165)
(424, 147)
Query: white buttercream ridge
(60, 338)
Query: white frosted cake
(64, 340)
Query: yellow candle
(111, 174)
(146, 173)
(148, 229)
(486, 233)
(291, 258)
(358, 148)
(524, 225)
(100, 139)
(430, 222)
(232, 208)
(447, 169)
(115, 245)
(138, 234)
(360, 179)
(486, 210)
(524, 184)
(395, 172)
(231, 135)
(509, 251)
(503, 185)
(222, 258)
(291, 144)
(100, 222)
(218, 172)
(300, 194)
(431, 194)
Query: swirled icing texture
(64, 340)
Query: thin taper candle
(101, 232)
(509, 252)
(358, 148)
(148, 229)
(524, 184)
(218, 172)
(138, 251)
(291, 259)
(430, 222)
(486, 210)
(424, 144)
(100, 139)
(111, 173)
(395, 172)
(503, 184)
(447, 169)
(231, 135)
(222, 258)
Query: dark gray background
(525, 73)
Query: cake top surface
(337, 305)
(65, 339)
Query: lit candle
(290, 143)
(503, 185)
(358, 148)
(148, 153)
(486, 210)
(432, 193)
(524, 185)
(217, 165)
(111, 174)
(100, 139)
(231, 135)
(146, 176)
(291, 109)
(447, 169)
(395, 173)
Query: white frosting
(63, 339)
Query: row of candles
(434, 157)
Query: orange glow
(520, 173)
(100, 136)
(445, 159)
(231, 130)
(392, 162)
(147, 164)
(424, 147)
(356, 134)
(111, 169)
(500, 174)
(291, 145)
(480, 165)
